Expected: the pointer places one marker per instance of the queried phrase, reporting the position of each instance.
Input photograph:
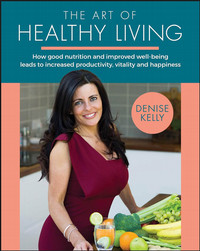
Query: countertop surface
(130, 143)
(150, 145)
(29, 169)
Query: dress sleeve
(61, 137)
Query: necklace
(94, 137)
(97, 144)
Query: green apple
(138, 244)
(118, 233)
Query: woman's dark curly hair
(62, 120)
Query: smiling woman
(87, 106)
(82, 156)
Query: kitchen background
(155, 163)
(36, 100)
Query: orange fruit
(125, 240)
(108, 222)
(106, 233)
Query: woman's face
(87, 105)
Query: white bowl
(34, 141)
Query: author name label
(152, 112)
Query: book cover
(146, 53)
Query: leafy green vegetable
(127, 222)
(169, 204)
(141, 233)
(176, 124)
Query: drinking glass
(104, 236)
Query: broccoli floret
(127, 222)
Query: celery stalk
(146, 215)
(147, 219)
(152, 241)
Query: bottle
(25, 136)
(21, 143)
(28, 135)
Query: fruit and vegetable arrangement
(165, 211)
(157, 227)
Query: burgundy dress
(93, 184)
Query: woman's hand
(83, 245)
(79, 242)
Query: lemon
(104, 242)
(96, 218)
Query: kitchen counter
(149, 145)
(130, 143)
(26, 170)
(30, 168)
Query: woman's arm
(59, 173)
(127, 197)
